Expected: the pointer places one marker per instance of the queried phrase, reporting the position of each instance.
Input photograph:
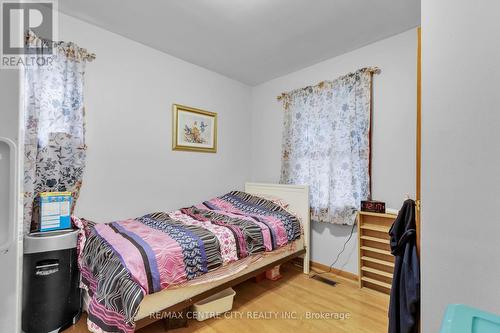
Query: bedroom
(151, 68)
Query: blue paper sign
(55, 208)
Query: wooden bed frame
(297, 196)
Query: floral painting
(196, 133)
(194, 129)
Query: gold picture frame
(193, 129)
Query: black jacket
(404, 308)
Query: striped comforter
(122, 261)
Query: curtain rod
(72, 50)
(320, 85)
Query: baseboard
(322, 268)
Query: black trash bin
(51, 296)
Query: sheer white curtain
(326, 145)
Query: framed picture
(193, 129)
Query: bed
(154, 306)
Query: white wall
(9, 97)
(393, 172)
(131, 168)
(460, 157)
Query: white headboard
(297, 197)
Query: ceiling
(251, 41)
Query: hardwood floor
(294, 304)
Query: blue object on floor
(461, 318)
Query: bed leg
(260, 277)
(175, 320)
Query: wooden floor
(300, 298)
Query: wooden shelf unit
(376, 263)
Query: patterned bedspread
(122, 261)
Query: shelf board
(376, 239)
(378, 283)
(375, 227)
(374, 249)
(378, 261)
(376, 271)
(386, 215)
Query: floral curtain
(326, 144)
(54, 138)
